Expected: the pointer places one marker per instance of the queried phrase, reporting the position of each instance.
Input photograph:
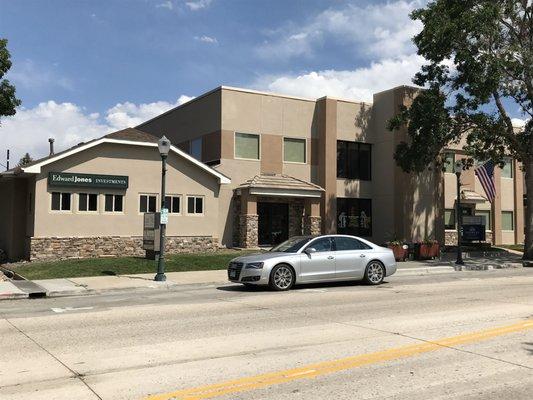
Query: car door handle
(330, 257)
(362, 255)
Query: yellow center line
(328, 367)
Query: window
(195, 205)
(354, 216)
(507, 170)
(449, 162)
(507, 221)
(147, 203)
(294, 150)
(321, 245)
(485, 214)
(173, 204)
(346, 243)
(247, 146)
(196, 148)
(449, 218)
(87, 202)
(61, 201)
(353, 160)
(114, 203)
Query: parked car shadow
(237, 287)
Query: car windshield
(292, 245)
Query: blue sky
(85, 68)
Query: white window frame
(179, 196)
(61, 211)
(88, 211)
(123, 203)
(235, 146)
(147, 202)
(283, 150)
(195, 196)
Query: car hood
(260, 257)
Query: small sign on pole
(164, 216)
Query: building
(267, 167)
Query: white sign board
(164, 216)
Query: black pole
(459, 218)
(160, 276)
(7, 160)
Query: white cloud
(358, 84)
(166, 4)
(375, 29)
(519, 122)
(206, 39)
(31, 76)
(196, 5)
(29, 129)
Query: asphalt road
(466, 335)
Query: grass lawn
(125, 265)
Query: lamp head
(164, 146)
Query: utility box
(151, 234)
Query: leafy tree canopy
(8, 100)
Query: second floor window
(354, 160)
(449, 162)
(507, 170)
(147, 203)
(294, 150)
(247, 146)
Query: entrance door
(273, 223)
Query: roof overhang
(36, 168)
(472, 197)
(274, 192)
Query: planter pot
(425, 251)
(400, 254)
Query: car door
(318, 265)
(351, 257)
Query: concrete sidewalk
(13, 289)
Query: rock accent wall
(57, 248)
(312, 225)
(296, 211)
(248, 228)
(450, 238)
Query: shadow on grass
(109, 273)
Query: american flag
(485, 173)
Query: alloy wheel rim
(375, 272)
(283, 277)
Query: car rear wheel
(374, 273)
(281, 278)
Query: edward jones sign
(87, 180)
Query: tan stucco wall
(143, 166)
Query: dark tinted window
(321, 245)
(118, 203)
(152, 200)
(65, 201)
(93, 202)
(143, 203)
(175, 204)
(346, 243)
(354, 160)
(354, 216)
(83, 201)
(199, 205)
(56, 198)
(190, 205)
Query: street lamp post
(458, 168)
(164, 147)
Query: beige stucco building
(265, 167)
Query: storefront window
(507, 221)
(195, 205)
(247, 146)
(87, 202)
(173, 204)
(147, 203)
(354, 216)
(114, 203)
(354, 160)
(294, 150)
(61, 201)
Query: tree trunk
(528, 211)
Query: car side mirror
(310, 250)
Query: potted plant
(427, 249)
(399, 249)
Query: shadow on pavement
(252, 288)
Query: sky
(86, 68)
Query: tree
(25, 160)
(480, 66)
(8, 100)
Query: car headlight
(254, 265)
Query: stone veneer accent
(57, 248)
(450, 237)
(296, 211)
(248, 228)
(312, 225)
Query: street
(464, 335)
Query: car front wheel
(375, 273)
(281, 278)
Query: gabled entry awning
(280, 185)
(470, 196)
